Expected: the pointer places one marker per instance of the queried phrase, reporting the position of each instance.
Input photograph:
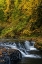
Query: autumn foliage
(20, 18)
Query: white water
(28, 46)
(24, 49)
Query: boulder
(10, 56)
(15, 56)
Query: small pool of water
(30, 61)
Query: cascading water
(30, 45)
(24, 48)
(27, 45)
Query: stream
(30, 55)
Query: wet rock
(9, 56)
(2, 61)
(15, 56)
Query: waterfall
(25, 48)
(27, 45)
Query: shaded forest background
(20, 18)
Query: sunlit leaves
(20, 16)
